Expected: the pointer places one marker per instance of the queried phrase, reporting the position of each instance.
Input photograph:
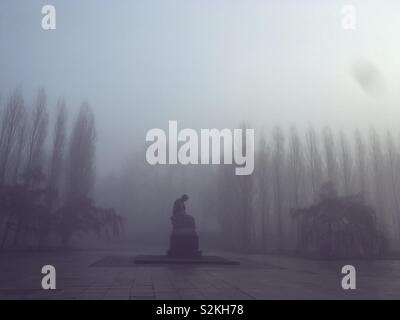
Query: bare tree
(36, 137)
(278, 183)
(80, 163)
(245, 193)
(11, 120)
(296, 165)
(227, 204)
(80, 169)
(378, 175)
(393, 160)
(314, 162)
(263, 176)
(57, 157)
(19, 151)
(361, 157)
(346, 163)
(330, 156)
(296, 170)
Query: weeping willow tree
(82, 217)
(338, 227)
(29, 221)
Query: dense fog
(76, 103)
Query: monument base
(132, 262)
(174, 254)
(201, 260)
(184, 244)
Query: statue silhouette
(184, 241)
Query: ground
(257, 277)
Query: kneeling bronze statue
(184, 241)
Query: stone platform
(129, 261)
(154, 259)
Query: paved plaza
(257, 277)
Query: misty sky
(209, 63)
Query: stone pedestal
(184, 244)
(184, 241)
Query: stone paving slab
(257, 277)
